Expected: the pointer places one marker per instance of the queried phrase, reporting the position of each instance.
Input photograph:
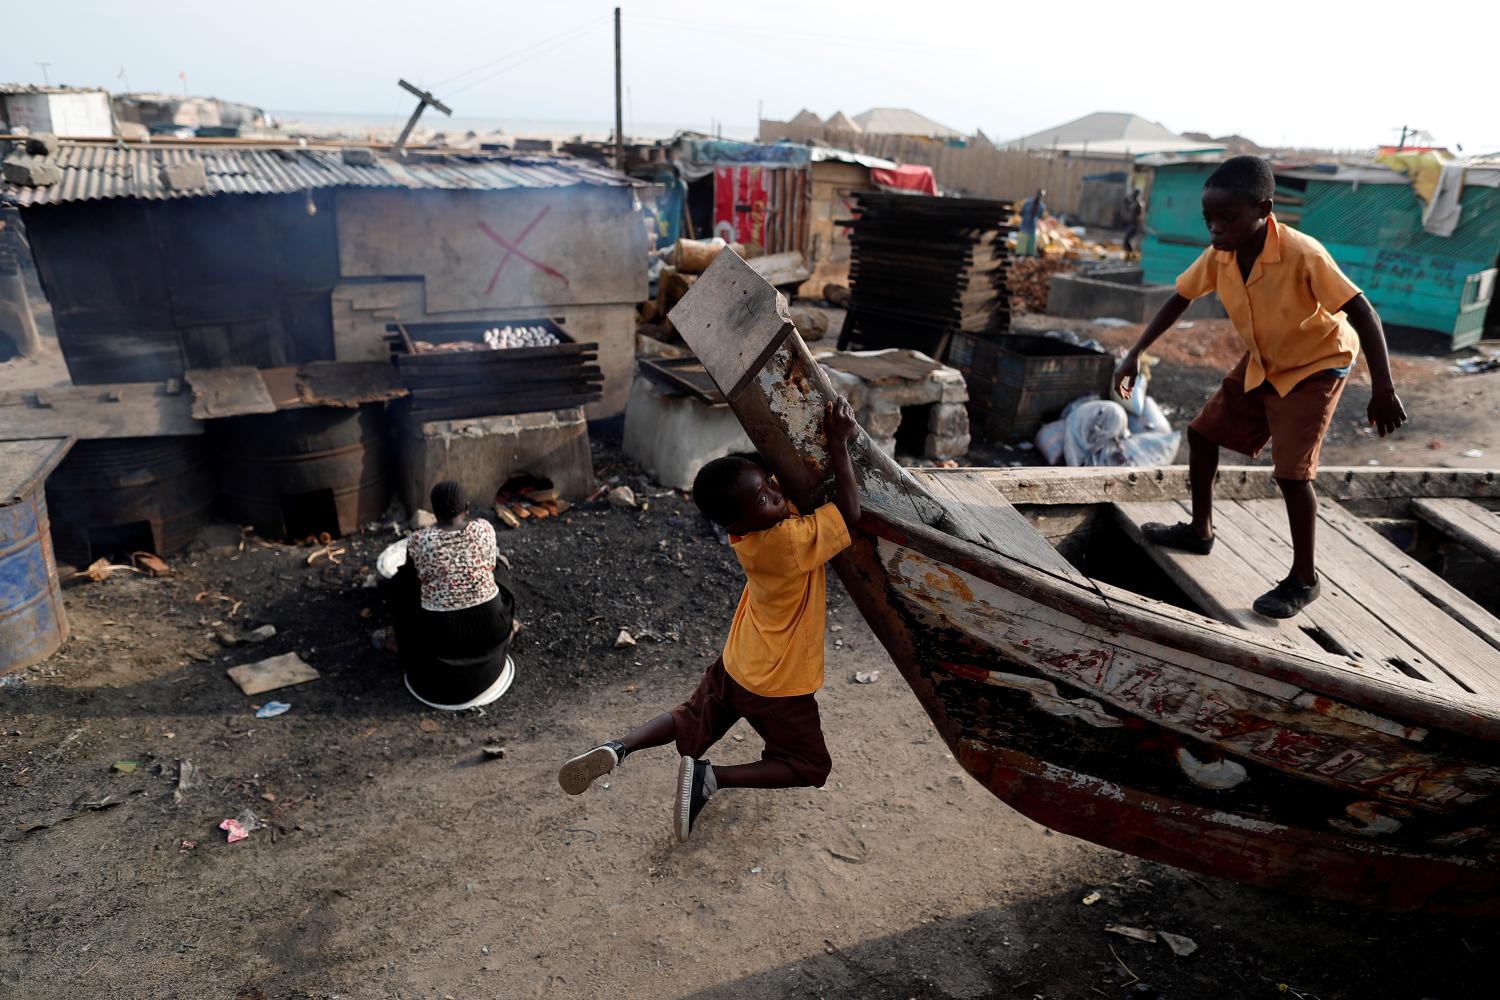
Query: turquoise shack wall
(1374, 231)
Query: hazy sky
(1314, 73)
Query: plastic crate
(1017, 382)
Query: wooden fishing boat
(1127, 695)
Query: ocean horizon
(363, 122)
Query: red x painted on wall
(513, 249)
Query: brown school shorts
(789, 726)
(1294, 424)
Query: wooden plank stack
(454, 385)
(924, 269)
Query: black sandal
(1177, 536)
(1287, 598)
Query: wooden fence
(984, 172)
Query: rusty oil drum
(118, 495)
(295, 473)
(32, 621)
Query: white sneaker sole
(579, 773)
(682, 811)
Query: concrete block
(1084, 297)
(947, 445)
(42, 144)
(359, 157)
(482, 453)
(31, 171)
(880, 421)
(947, 419)
(675, 436)
(187, 176)
(851, 387)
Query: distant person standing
(1135, 211)
(1032, 209)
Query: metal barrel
(295, 473)
(120, 494)
(32, 621)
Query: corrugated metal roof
(92, 171)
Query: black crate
(1017, 382)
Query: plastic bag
(1095, 430)
(1049, 441)
(1157, 448)
(1148, 419)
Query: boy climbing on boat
(1303, 323)
(772, 663)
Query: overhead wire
(560, 37)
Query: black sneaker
(1177, 536)
(695, 785)
(579, 773)
(1287, 598)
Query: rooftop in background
(1109, 133)
(903, 121)
(96, 170)
(37, 88)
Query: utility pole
(619, 108)
(1402, 143)
(424, 100)
(47, 80)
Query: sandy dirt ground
(399, 860)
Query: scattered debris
(184, 845)
(125, 766)
(260, 634)
(214, 595)
(624, 639)
(384, 640)
(1092, 898)
(1474, 453)
(866, 676)
(422, 519)
(235, 830)
(622, 496)
(429, 726)
(494, 750)
(1181, 945)
(150, 562)
(271, 709)
(268, 675)
(506, 517)
(187, 779)
(1477, 366)
(100, 569)
(1133, 933)
(328, 551)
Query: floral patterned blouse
(455, 568)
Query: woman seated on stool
(454, 610)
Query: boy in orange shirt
(772, 662)
(1303, 323)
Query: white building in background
(73, 112)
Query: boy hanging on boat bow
(1303, 323)
(772, 663)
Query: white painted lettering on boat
(1326, 742)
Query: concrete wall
(82, 115)
(1078, 296)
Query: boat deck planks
(1375, 607)
(1465, 522)
(1003, 528)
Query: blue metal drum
(32, 621)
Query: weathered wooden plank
(1223, 583)
(733, 321)
(131, 409)
(1467, 523)
(1462, 655)
(1250, 482)
(24, 464)
(1262, 539)
(1000, 525)
(1457, 604)
(228, 392)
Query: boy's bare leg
(1302, 512)
(1203, 465)
(760, 774)
(658, 732)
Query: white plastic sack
(1148, 419)
(1095, 430)
(1049, 441)
(1157, 448)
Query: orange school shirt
(1287, 312)
(775, 645)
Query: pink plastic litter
(235, 828)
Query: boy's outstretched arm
(1130, 365)
(839, 425)
(1386, 412)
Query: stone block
(42, 144)
(189, 175)
(358, 156)
(942, 446)
(31, 171)
(482, 453)
(881, 421)
(675, 436)
(948, 419)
